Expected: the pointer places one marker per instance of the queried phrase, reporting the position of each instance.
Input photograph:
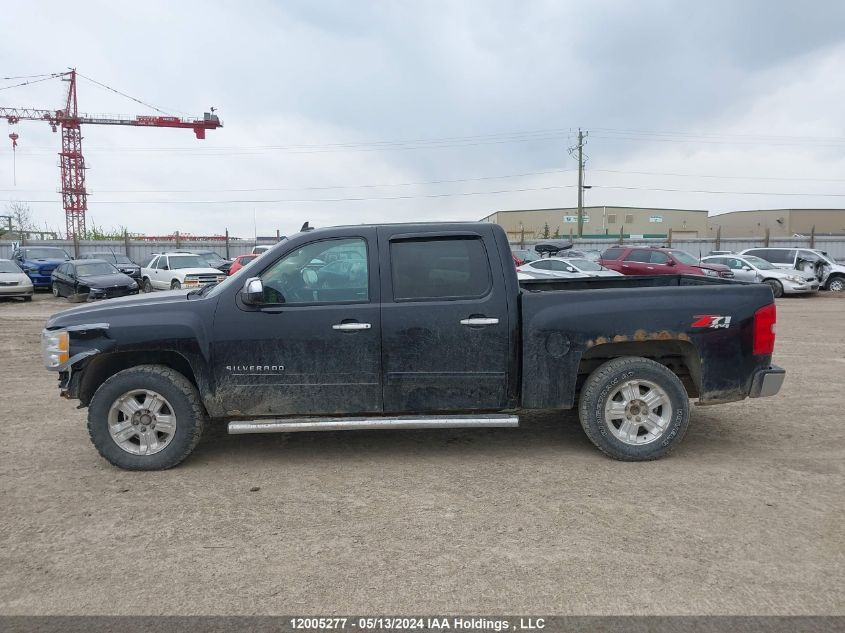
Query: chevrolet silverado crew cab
(409, 326)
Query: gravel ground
(744, 518)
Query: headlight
(221, 279)
(133, 285)
(29, 268)
(55, 348)
(710, 273)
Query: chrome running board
(293, 425)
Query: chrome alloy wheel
(638, 412)
(142, 422)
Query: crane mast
(71, 160)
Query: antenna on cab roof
(306, 227)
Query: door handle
(476, 321)
(351, 327)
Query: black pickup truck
(408, 326)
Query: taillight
(764, 330)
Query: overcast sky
(349, 112)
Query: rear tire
(776, 286)
(146, 285)
(634, 409)
(55, 290)
(175, 285)
(107, 425)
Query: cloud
(296, 83)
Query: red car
(645, 260)
(239, 262)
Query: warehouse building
(779, 222)
(601, 221)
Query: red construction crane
(71, 161)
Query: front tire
(837, 284)
(146, 285)
(55, 290)
(634, 409)
(147, 417)
(776, 286)
(175, 285)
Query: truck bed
(626, 281)
(565, 335)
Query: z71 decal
(711, 320)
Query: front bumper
(17, 291)
(767, 382)
(793, 288)
(39, 280)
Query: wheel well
(679, 356)
(100, 368)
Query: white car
(831, 274)
(562, 267)
(14, 282)
(781, 280)
(259, 250)
(172, 271)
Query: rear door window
(639, 255)
(659, 258)
(612, 253)
(439, 268)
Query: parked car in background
(215, 260)
(591, 268)
(831, 274)
(172, 271)
(782, 281)
(39, 262)
(14, 282)
(645, 260)
(239, 262)
(90, 279)
(551, 267)
(121, 262)
(258, 250)
(525, 255)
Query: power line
(304, 200)
(316, 188)
(740, 193)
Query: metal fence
(140, 251)
(834, 246)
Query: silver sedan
(782, 281)
(14, 282)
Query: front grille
(8, 283)
(203, 279)
(46, 270)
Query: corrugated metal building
(601, 221)
(780, 222)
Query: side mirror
(747, 268)
(252, 292)
(670, 262)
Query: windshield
(95, 268)
(48, 252)
(684, 258)
(212, 258)
(823, 255)
(757, 262)
(584, 264)
(9, 267)
(186, 261)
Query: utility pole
(581, 187)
